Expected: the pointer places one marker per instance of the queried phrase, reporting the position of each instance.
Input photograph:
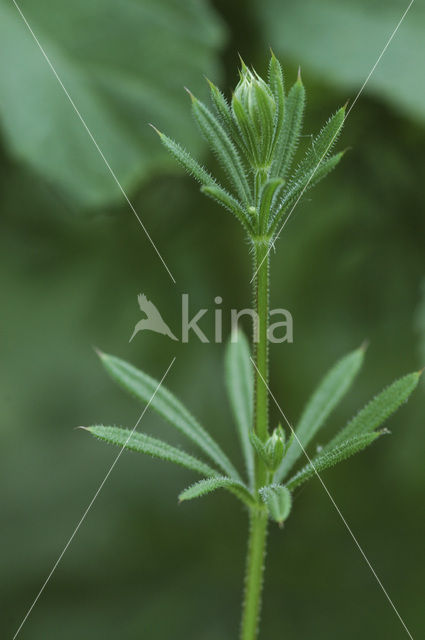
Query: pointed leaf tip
(299, 79)
(331, 455)
(321, 404)
(211, 84)
(142, 443)
(243, 65)
(365, 345)
(377, 410)
(208, 485)
(192, 97)
(155, 129)
(148, 390)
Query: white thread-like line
(334, 504)
(330, 144)
(102, 155)
(92, 502)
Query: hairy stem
(254, 574)
(258, 516)
(261, 348)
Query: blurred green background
(349, 267)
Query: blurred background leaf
(345, 39)
(349, 266)
(123, 65)
(420, 323)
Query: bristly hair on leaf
(208, 485)
(255, 138)
(278, 454)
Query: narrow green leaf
(224, 113)
(296, 189)
(259, 447)
(266, 122)
(184, 158)
(223, 147)
(203, 487)
(321, 146)
(240, 387)
(325, 398)
(143, 387)
(230, 203)
(331, 457)
(376, 412)
(326, 167)
(314, 166)
(268, 194)
(276, 84)
(287, 143)
(247, 134)
(278, 500)
(143, 443)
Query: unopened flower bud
(275, 448)
(254, 109)
(278, 500)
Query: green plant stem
(261, 293)
(258, 515)
(261, 348)
(254, 573)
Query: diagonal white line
(331, 142)
(92, 502)
(102, 155)
(347, 526)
